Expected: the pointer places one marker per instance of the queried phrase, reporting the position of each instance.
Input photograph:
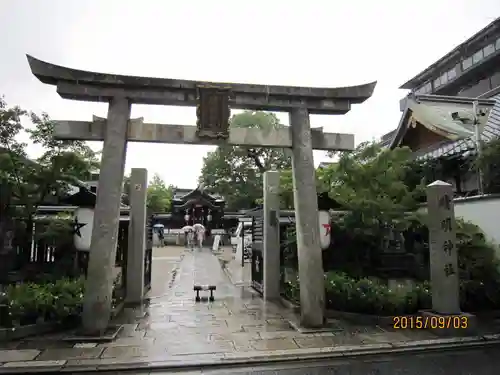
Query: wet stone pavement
(238, 324)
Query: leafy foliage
(159, 195)
(29, 302)
(370, 183)
(26, 184)
(126, 190)
(286, 189)
(29, 182)
(381, 190)
(489, 163)
(236, 172)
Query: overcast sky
(308, 43)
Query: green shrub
(29, 302)
(51, 301)
(367, 296)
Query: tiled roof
(180, 194)
(465, 146)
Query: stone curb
(246, 358)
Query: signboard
(212, 112)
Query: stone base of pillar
(449, 325)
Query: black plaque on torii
(212, 112)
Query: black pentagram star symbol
(77, 226)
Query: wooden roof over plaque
(99, 87)
(196, 196)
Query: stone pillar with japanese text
(444, 271)
(271, 235)
(443, 253)
(136, 237)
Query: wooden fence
(35, 258)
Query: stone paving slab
(69, 353)
(237, 326)
(18, 355)
(32, 365)
(152, 360)
(249, 357)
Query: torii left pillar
(99, 287)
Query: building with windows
(472, 69)
(450, 103)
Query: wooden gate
(148, 256)
(257, 249)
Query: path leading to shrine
(238, 326)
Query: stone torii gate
(213, 102)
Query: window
(489, 49)
(497, 44)
(452, 73)
(444, 78)
(467, 63)
(426, 88)
(420, 90)
(478, 56)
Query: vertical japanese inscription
(448, 246)
(443, 254)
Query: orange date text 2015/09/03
(430, 322)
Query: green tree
(370, 183)
(25, 184)
(126, 190)
(159, 195)
(236, 172)
(489, 164)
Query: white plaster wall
(485, 213)
(482, 211)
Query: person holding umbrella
(160, 231)
(199, 230)
(189, 236)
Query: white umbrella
(158, 226)
(198, 226)
(187, 228)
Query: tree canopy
(378, 187)
(371, 183)
(159, 195)
(236, 172)
(26, 183)
(32, 182)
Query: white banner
(325, 234)
(82, 227)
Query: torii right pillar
(312, 285)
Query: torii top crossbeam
(100, 87)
